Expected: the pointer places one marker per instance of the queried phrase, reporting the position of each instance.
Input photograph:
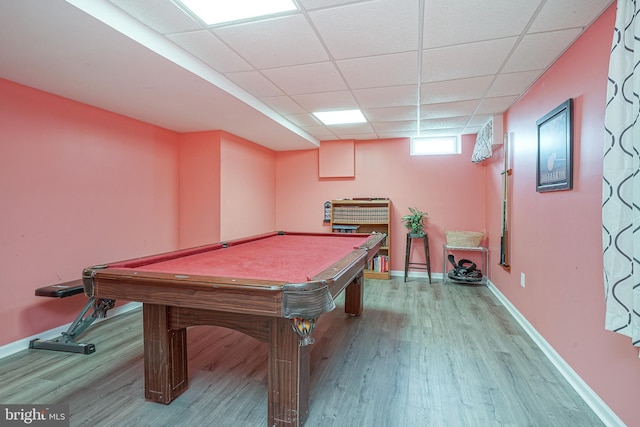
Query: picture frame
(554, 170)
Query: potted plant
(415, 221)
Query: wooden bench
(67, 340)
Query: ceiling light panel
(340, 117)
(219, 11)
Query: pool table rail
(311, 299)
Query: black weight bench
(66, 341)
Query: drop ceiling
(414, 67)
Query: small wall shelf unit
(450, 248)
(366, 216)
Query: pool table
(272, 287)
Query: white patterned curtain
(482, 149)
(621, 178)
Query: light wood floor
(421, 355)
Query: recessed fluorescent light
(219, 11)
(340, 117)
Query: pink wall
(336, 159)
(450, 189)
(556, 237)
(78, 186)
(247, 188)
(227, 188)
(199, 188)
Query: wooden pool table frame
(264, 311)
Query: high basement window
(432, 146)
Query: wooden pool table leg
(165, 355)
(289, 373)
(354, 296)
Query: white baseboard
(599, 407)
(23, 344)
(421, 274)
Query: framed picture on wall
(555, 149)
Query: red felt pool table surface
(293, 258)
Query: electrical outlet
(522, 279)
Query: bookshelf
(366, 216)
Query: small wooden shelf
(366, 216)
(384, 275)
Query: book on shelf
(379, 263)
(360, 214)
(345, 228)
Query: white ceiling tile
(467, 60)
(338, 100)
(162, 16)
(309, 78)
(397, 134)
(399, 126)
(444, 123)
(282, 104)
(513, 83)
(209, 49)
(495, 105)
(353, 128)
(278, 42)
(391, 114)
(358, 136)
(556, 15)
(254, 83)
(321, 4)
(538, 51)
(448, 109)
(355, 30)
(390, 96)
(449, 22)
(320, 132)
(454, 90)
(385, 70)
(479, 120)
